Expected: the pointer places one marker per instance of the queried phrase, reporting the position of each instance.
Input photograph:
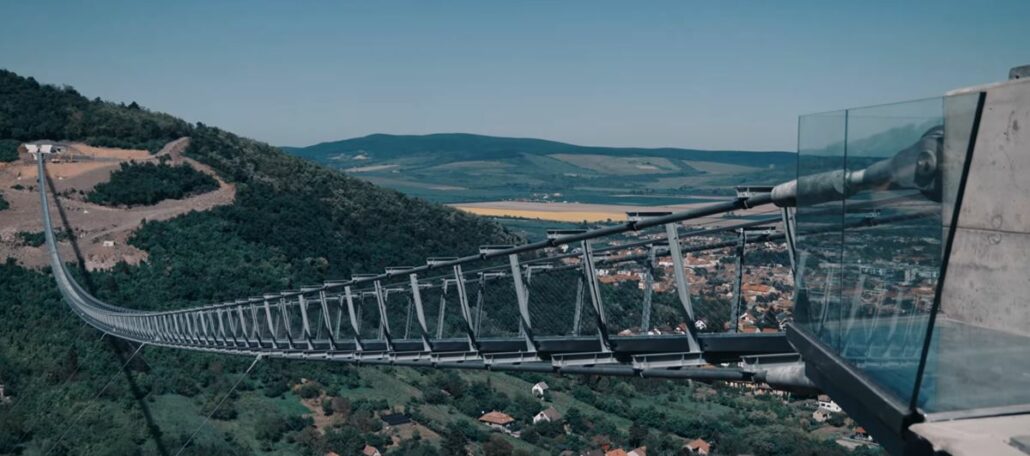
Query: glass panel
(892, 240)
(978, 352)
(875, 186)
(821, 140)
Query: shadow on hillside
(121, 349)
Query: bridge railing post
(466, 312)
(594, 290)
(327, 318)
(384, 319)
(272, 330)
(522, 298)
(420, 313)
(302, 303)
(285, 315)
(255, 323)
(354, 321)
(649, 275)
(738, 295)
(682, 285)
(241, 325)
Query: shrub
(136, 184)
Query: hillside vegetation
(149, 183)
(31, 111)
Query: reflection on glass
(891, 265)
(821, 141)
(870, 234)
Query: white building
(827, 404)
(539, 388)
(42, 147)
(550, 415)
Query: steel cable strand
(218, 405)
(87, 406)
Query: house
(617, 452)
(861, 434)
(4, 399)
(497, 420)
(550, 415)
(642, 451)
(395, 419)
(539, 388)
(827, 404)
(370, 450)
(699, 446)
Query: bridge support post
(384, 320)
(243, 324)
(443, 309)
(191, 327)
(466, 312)
(594, 288)
(205, 329)
(420, 313)
(255, 325)
(221, 328)
(271, 327)
(649, 271)
(738, 298)
(358, 345)
(789, 227)
(327, 319)
(305, 323)
(286, 321)
(522, 296)
(682, 286)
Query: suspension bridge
(882, 228)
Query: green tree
(497, 446)
(454, 441)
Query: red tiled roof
(699, 444)
(496, 417)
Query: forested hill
(319, 221)
(293, 223)
(31, 111)
(461, 146)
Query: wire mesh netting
(556, 300)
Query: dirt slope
(101, 231)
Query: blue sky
(716, 75)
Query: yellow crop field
(563, 216)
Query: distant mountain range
(463, 146)
(458, 167)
